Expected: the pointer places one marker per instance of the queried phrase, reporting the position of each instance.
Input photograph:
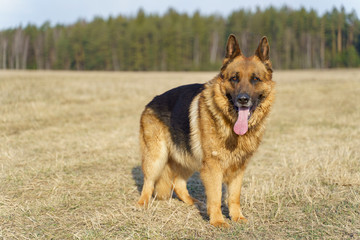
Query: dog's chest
(233, 150)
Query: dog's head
(246, 83)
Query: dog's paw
(222, 224)
(143, 202)
(240, 219)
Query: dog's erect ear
(232, 47)
(263, 50)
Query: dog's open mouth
(241, 125)
(244, 114)
(250, 110)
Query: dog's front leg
(211, 176)
(234, 189)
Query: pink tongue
(241, 125)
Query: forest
(177, 41)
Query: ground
(70, 163)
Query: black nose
(243, 98)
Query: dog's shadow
(195, 187)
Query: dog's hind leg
(182, 192)
(182, 174)
(153, 166)
(164, 184)
(154, 153)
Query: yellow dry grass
(69, 160)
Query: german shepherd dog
(213, 128)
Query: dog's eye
(234, 79)
(255, 80)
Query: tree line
(181, 42)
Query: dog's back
(172, 109)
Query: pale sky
(14, 13)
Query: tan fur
(219, 154)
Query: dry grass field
(70, 164)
